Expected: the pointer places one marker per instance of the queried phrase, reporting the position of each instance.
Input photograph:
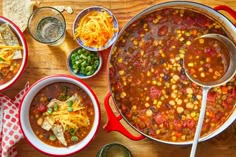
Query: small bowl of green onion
(83, 63)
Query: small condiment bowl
(85, 12)
(78, 74)
(24, 116)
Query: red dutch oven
(113, 122)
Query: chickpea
(180, 110)
(149, 113)
(189, 105)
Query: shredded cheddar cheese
(70, 119)
(7, 54)
(95, 29)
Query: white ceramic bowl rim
(84, 12)
(22, 42)
(25, 124)
(83, 76)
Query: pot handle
(113, 122)
(227, 9)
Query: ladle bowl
(206, 86)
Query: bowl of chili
(95, 28)
(147, 81)
(14, 53)
(59, 115)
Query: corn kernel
(158, 132)
(183, 137)
(154, 82)
(193, 114)
(135, 42)
(173, 138)
(121, 72)
(120, 60)
(147, 104)
(154, 101)
(190, 64)
(202, 74)
(201, 41)
(188, 43)
(122, 94)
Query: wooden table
(45, 60)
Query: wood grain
(45, 60)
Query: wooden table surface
(44, 60)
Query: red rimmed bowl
(24, 52)
(24, 116)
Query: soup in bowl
(13, 53)
(59, 115)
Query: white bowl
(22, 42)
(25, 123)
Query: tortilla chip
(18, 11)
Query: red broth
(206, 59)
(39, 110)
(148, 81)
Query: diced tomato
(211, 97)
(163, 20)
(224, 89)
(178, 134)
(41, 107)
(166, 124)
(123, 107)
(178, 125)
(159, 119)
(189, 21)
(177, 19)
(189, 123)
(118, 86)
(154, 92)
(163, 30)
(219, 115)
(234, 92)
(226, 105)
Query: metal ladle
(208, 85)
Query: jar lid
(114, 150)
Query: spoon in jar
(209, 62)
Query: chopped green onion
(64, 89)
(74, 138)
(70, 103)
(69, 109)
(52, 137)
(56, 106)
(49, 110)
(72, 131)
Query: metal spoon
(208, 85)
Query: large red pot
(113, 123)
